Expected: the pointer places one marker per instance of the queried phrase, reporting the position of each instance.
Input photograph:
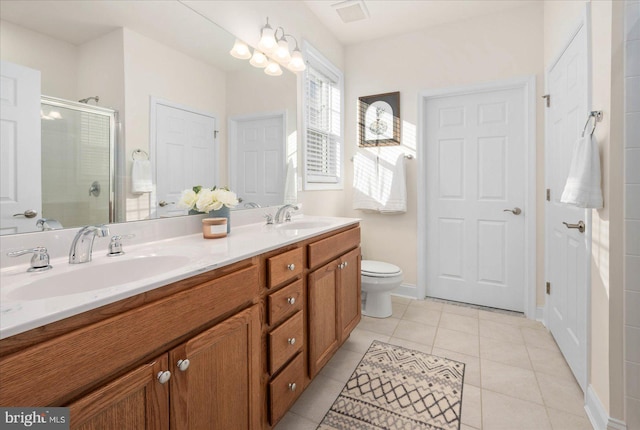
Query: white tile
(500, 331)
(561, 420)
(632, 201)
(471, 413)
(293, 421)
(632, 308)
(427, 304)
(460, 309)
(360, 340)
(398, 309)
(342, 365)
(561, 393)
(500, 412)
(421, 315)
(415, 332)
(384, 326)
(458, 341)
(411, 345)
(513, 354)
(632, 66)
(632, 163)
(632, 21)
(632, 99)
(316, 400)
(632, 130)
(539, 339)
(632, 273)
(459, 323)
(549, 361)
(401, 299)
(632, 377)
(632, 237)
(633, 413)
(632, 344)
(510, 380)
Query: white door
(185, 155)
(567, 249)
(20, 183)
(257, 157)
(476, 208)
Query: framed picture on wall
(379, 120)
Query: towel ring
(597, 117)
(140, 152)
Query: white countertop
(31, 300)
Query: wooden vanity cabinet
(217, 388)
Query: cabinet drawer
(51, 371)
(285, 341)
(285, 266)
(285, 302)
(327, 249)
(285, 388)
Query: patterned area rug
(398, 388)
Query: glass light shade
(297, 61)
(268, 39)
(273, 69)
(258, 59)
(240, 50)
(282, 51)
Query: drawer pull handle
(292, 340)
(163, 377)
(292, 386)
(183, 364)
(291, 300)
(291, 266)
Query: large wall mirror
(118, 83)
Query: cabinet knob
(183, 364)
(291, 300)
(345, 264)
(164, 377)
(292, 386)
(341, 266)
(291, 266)
(291, 340)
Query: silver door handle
(29, 213)
(515, 211)
(580, 226)
(162, 203)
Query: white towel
(378, 186)
(141, 181)
(583, 187)
(290, 185)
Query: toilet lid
(379, 269)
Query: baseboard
(540, 315)
(406, 290)
(600, 419)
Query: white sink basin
(90, 277)
(302, 225)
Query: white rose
(187, 200)
(227, 198)
(205, 202)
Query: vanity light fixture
(240, 50)
(272, 51)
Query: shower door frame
(113, 118)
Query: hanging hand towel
(365, 179)
(141, 181)
(583, 187)
(395, 200)
(290, 185)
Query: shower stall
(78, 144)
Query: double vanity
(183, 333)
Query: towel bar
(407, 156)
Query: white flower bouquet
(207, 199)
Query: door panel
(476, 160)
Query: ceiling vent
(352, 10)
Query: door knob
(515, 211)
(29, 213)
(291, 300)
(163, 377)
(183, 364)
(580, 225)
(162, 203)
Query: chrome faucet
(284, 210)
(82, 244)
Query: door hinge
(215, 133)
(548, 287)
(547, 98)
(548, 194)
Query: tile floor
(515, 378)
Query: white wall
(155, 70)
(632, 213)
(486, 48)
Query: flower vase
(194, 212)
(223, 212)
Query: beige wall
(155, 70)
(560, 17)
(487, 48)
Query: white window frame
(319, 62)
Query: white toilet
(378, 280)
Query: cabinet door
(220, 388)
(349, 303)
(137, 399)
(323, 317)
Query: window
(322, 123)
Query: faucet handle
(115, 246)
(39, 260)
(269, 218)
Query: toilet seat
(379, 269)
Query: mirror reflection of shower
(86, 101)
